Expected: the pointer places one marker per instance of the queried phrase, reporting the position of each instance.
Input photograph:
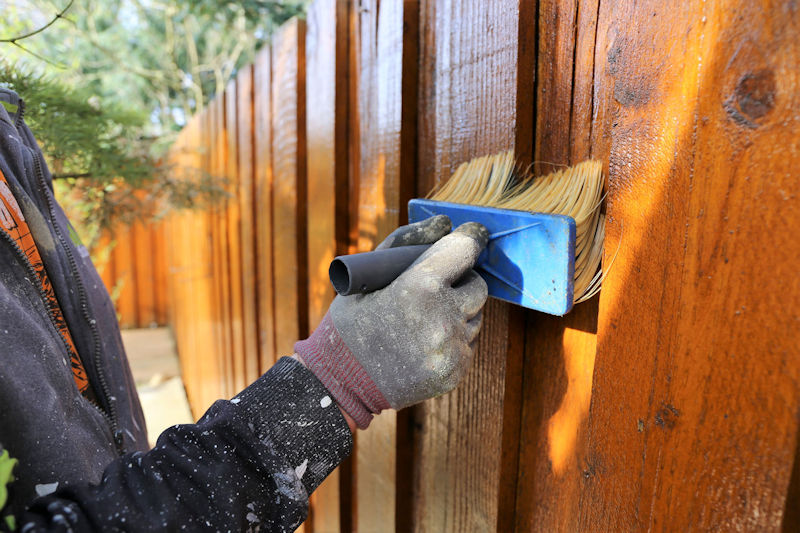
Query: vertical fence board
(560, 351)
(205, 355)
(142, 272)
(326, 111)
(469, 107)
(669, 402)
(217, 167)
(124, 269)
(234, 248)
(143, 278)
(179, 259)
(383, 190)
(289, 182)
(103, 257)
(703, 434)
(262, 139)
(160, 272)
(244, 86)
(322, 115)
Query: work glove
(411, 340)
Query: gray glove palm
(415, 337)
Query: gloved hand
(411, 340)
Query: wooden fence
(132, 260)
(669, 402)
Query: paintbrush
(545, 233)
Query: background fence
(133, 264)
(669, 402)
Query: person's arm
(251, 461)
(254, 460)
(410, 341)
(350, 422)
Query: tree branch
(59, 15)
(37, 56)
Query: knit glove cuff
(330, 360)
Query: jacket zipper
(111, 415)
(20, 114)
(33, 275)
(97, 356)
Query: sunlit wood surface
(667, 403)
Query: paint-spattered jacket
(249, 463)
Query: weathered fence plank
(560, 351)
(469, 106)
(142, 279)
(244, 96)
(233, 115)
(385, 181)
(702, 150)
(289, 187)
(263, 199)
(125, 273)
(326, 119)
(219, 238)
(669, 402)
(158, 250)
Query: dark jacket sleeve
(248, 464)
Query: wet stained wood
(244, 96)
(190, 277)
(385, 59)
(471, 105)
(125, 272)
(559, 351)
(289, 187)
(326, 119)
(233, 252)
(192, 355)
(160, 272)
(179, 260)
(143, 277)
(699, 313)
(201, 299)
(322, 117)
(142, 269)
(103, 259)
(217, 167)
(263, 198)
(669, 402)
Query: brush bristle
(495, 181)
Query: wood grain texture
(670, 401)
(560, 351)
(233, 252)
(201, 298)
(326, 113)
(698, 317)
(125, 271)
(322, 116)
(289, 187)
(160, 272)
(190, 278)
(244, 96)
(143, 274)
(469, 107)
(385, 59)
(263, 199)
(219, 239)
